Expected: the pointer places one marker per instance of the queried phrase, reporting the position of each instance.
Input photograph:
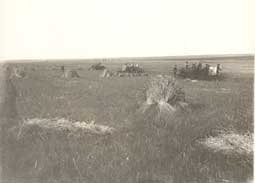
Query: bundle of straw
(230, 143)
(64, 124)
(164, 92)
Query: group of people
(197, 70)
(131, 67)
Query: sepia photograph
(126, 91)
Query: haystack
(56, 144)
(19, 73)
(164, 92)
(97, 66)
(106, 73)
(5, 72)
(230, 143)
(70, 74)
(62, 68)
(70, 126)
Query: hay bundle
(97, 66)
(62, 68)
(70, 126)
(19, 73)
(230, 143)
(164, 92)
(50, 144)
(114, 73)
(32, 69)
(70, 74)
(106, 73)
(5, 72)
(124, 67)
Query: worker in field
(207, 66)
(193, 70)
(62, 68)
(218, 69)
(187, 65)
(199, 67)
(194, 67)
(175, 70)
(198, 70)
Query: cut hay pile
(62, 68)
(106, 73)
(58, 150)
(230, 143)
(70, 74)
(5, 72)
(19, 73)
(66, 125)
(164, 92)
(97, 66)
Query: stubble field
(145, 147)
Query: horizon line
(177, 57)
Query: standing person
(63, 68)
(194, 67)
(207, 66)
(175, 70)
(187, 65)
(193, 71)
(199, 66)
(218, 69)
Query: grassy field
(145, 147)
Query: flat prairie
(145, 147)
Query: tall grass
(144, 148)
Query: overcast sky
(117, 28)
